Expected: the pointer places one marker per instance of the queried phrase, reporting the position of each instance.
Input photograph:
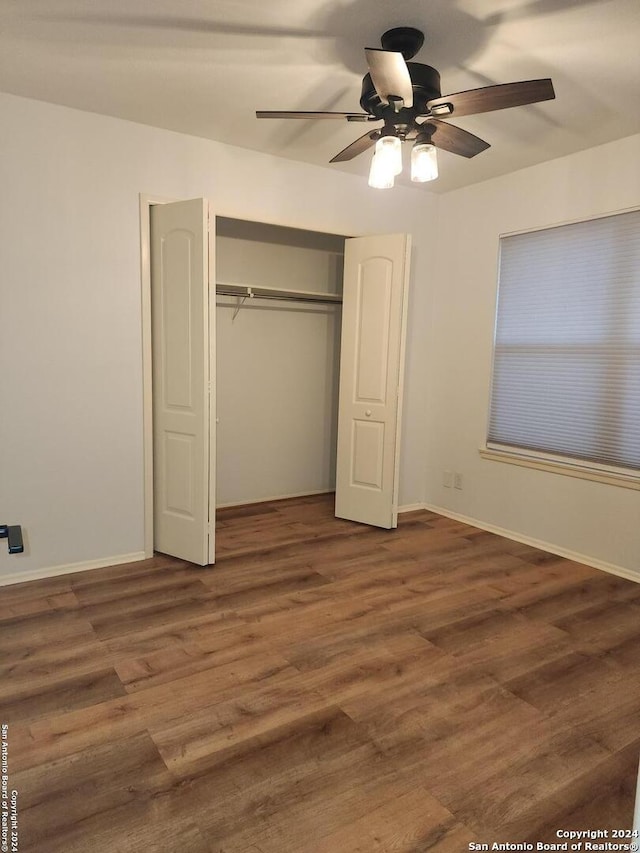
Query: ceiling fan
(406, 97)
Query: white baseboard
(411, 507)
(306, 494)
(55, 571)
(251, 501)
(620, 571)
(612, 569)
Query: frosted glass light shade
(390, 149)
(380, 175)
(386, 162)
(424, 162)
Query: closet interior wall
(277, 363)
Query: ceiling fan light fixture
(407, 98)
(424, 162)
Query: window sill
(569, 468)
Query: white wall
(601, 522)
(277, 364)
(70, 342)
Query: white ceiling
(203, 68)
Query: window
(566, 369)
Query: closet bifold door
(374, 309)
(181, 357)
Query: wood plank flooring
(325, 688)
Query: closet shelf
(246, 290)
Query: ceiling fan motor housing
(425, 82)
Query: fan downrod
(404, 40)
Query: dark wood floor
(326, 688)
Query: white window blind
(566, 371)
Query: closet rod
(276, 293)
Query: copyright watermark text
(583, 840)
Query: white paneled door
(374, 310)
(181, 358)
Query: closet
(277, 360)
(263, 381)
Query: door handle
(368, 413)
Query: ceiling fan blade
(491, 98)
(281, 114)
(390, 75)
(361, 144)
(454, 139)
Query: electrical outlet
(457, 481)
(447, 479)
